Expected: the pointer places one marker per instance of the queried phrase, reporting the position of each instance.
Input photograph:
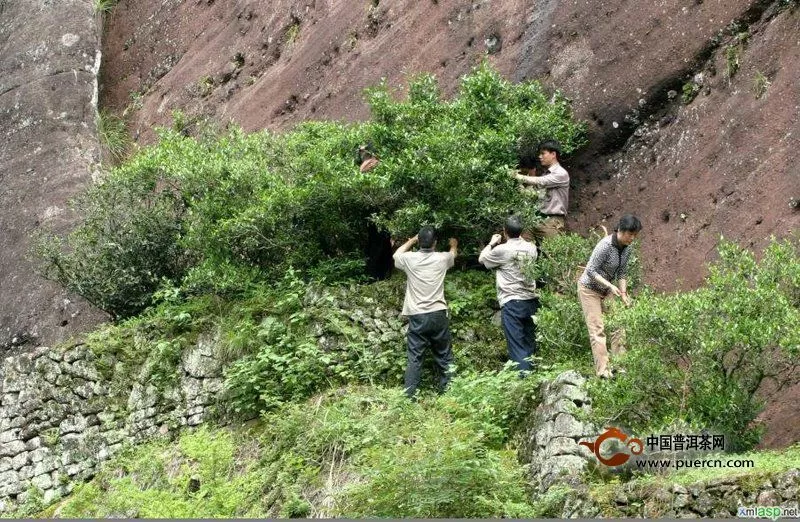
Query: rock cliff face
(49, 59)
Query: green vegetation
(113, 134)
(287, 341)
(696, 357)
(256, 243)
(292, 32)
(766, 464)
(760, 85)
(701, 356)
(733, 54)
(352, 452)
(126, 247)
(689, 92)
(104, 6)
(561, 329)
(207, 474)
(205, 209)
(379, 452)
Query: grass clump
(104, 6)
(689, 92)
(733, 54)
(760, 85)
(113, 131)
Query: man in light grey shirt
(425, 306)
(555, 184)
(515, 292)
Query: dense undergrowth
(257, 242)
(337, 438)
(353, 452)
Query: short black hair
(629, 223)
(513, 226)
(364, 152)
(426, 237)
(551, 146)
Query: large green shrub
(448, 161)
(127, 244)
(255, 205)
(702, 356)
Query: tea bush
(227, 211)
(127, 244)
(702, 356)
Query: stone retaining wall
(58, 420)
(716, 498)
(550, 444)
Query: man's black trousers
(431, 329)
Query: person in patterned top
(608, 263)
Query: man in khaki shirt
(555, 182)
(515, 292)
(425, 306)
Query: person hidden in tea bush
(368, 159)
(554, 184)
(515, 292)
(425, 306)
(608, 263)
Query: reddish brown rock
(726, 162)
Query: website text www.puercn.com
(696, 463)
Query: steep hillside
(722, 164)
(693, 107)
(272, 64)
